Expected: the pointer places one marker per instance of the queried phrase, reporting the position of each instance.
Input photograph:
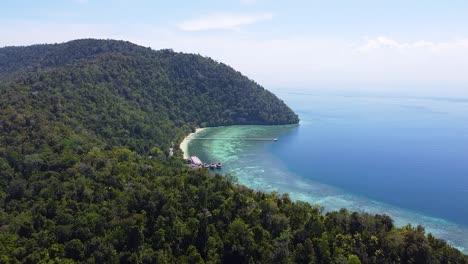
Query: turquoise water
(406, 157)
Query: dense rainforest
(85, 174)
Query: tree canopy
(85, 176)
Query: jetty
(196, 163)
(235, 138)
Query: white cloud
(223, 21)
(248, 2)
(382, 42)
(81, 1)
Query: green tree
(353, 259)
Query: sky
(387, 46)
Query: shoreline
(329, 197)
(184, 144)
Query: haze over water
(406, 157)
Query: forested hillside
(85, 176)
(130, 95)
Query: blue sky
(277, 43)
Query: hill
(148, 98)
(85, 177)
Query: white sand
(184, 145)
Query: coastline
(184, 144)
(273, 174)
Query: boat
(206, 166)
(219, 165)
(212, 166)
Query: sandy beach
(184, 144)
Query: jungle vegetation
(85, 174)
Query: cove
(405, 157)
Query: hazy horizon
(412, 48)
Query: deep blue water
(406, 157)
(408, 152)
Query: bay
(405, 157)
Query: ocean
(403, 156)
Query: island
(90, 171)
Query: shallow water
(405, 157)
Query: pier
(196, 163)
(234, 138)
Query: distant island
(86, 174)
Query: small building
(195, 160)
